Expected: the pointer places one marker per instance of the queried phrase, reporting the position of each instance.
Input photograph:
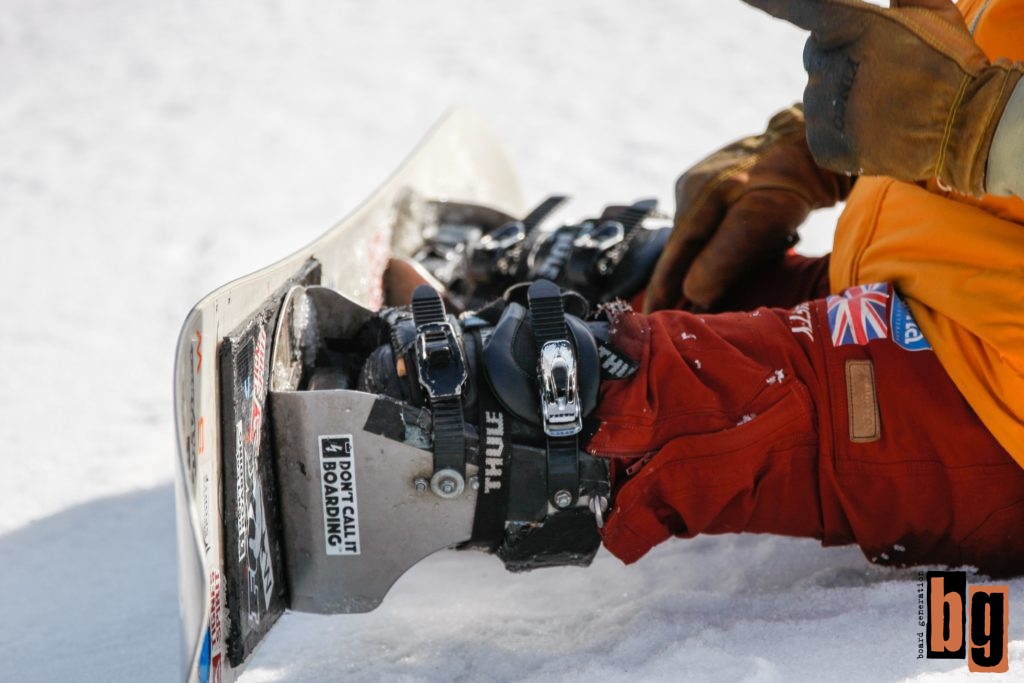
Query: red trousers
(831, 420)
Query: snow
(150, 152)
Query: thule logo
(613, 365)
(494, 450)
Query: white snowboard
(229, 333)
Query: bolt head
(447, 483)
(562, 499)
(421, 484)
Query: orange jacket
(958, 261)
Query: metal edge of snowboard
(458, 158)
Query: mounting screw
(474, 484)
(447, 483)
(562, 499)
(421, 484)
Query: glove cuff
(974, 118)
(1004, 174)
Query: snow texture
(151, 151)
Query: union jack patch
(857, 316)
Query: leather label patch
(862, 402)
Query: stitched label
(862, 402)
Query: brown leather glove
(903, 92)
(737, 209)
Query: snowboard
(250, 545)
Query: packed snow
(151, 151)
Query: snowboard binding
(476, 256)
(406, 431)
(507, 388)
(305, 482)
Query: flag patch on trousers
(858, 315)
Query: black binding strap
(427, 306)
(499, 255)
(632, 221)
(441, 365)
(494, 460)
(560, 405)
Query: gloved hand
(904, 92)
(740, 208)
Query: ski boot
(477, 256)
(407, 431)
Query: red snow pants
(831, 420)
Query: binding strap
(441, 366)
(559, 400)
(494, 461)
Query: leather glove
(737, 209)
(903, 92)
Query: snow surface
(151, 151)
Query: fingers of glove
(665, 286)
(694, 225)
(935, 22)
(811, 15)
(830, 78)
(864, 90)
(759, 227)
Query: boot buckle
(441, 367)
(559, 400)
